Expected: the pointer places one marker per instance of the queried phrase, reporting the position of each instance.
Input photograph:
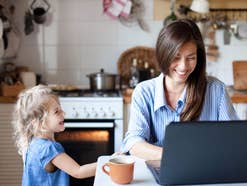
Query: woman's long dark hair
(171, 38)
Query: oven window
(85, 145)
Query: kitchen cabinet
(10, 161)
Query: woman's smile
(181, 73)
(184, 63)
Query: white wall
(222, 68)
(79, 39)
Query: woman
(182, 92)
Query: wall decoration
(128, 12)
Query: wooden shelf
(162, 7)
(7, 99)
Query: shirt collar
(159, 96)
(181, 101)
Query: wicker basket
(141, 53)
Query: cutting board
(240, 75)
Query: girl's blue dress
(39, 154)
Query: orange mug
(120, 169)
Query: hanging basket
(141, 53)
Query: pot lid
(101, 73)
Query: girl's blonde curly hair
(30, 114)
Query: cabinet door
(10, 162)
(241, 109)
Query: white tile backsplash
(34, 39)
(91, 10)
(65, 76)
(31, 56)
(98, 57)
(100, 33)
(62, 57)
(78, 39)
(65, 10)
(148, 10)
(62, 33)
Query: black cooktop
(88, 93)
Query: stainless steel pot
(101, 81)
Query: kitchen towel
(116, 8)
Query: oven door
(85, 141)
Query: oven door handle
(89, 125)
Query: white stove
(92, 107)
(94, 110)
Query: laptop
(202, 152)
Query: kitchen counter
(7, 99)
(142, 175)
(236, 96)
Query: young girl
(38, 115)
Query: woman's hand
(146, 151)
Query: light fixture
(200, 6)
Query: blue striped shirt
(150, 113)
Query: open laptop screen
(204, 152)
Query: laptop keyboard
(154, 167)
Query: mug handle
(104, 170)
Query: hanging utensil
(172, 16)
(6, 26)
(40, 10)
(1, 39)
(13, 37)
(239, 30)
(29, 26)
(226, 36)
(227, 31)
(222, 22)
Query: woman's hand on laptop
(146, 151)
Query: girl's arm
(70, 166)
